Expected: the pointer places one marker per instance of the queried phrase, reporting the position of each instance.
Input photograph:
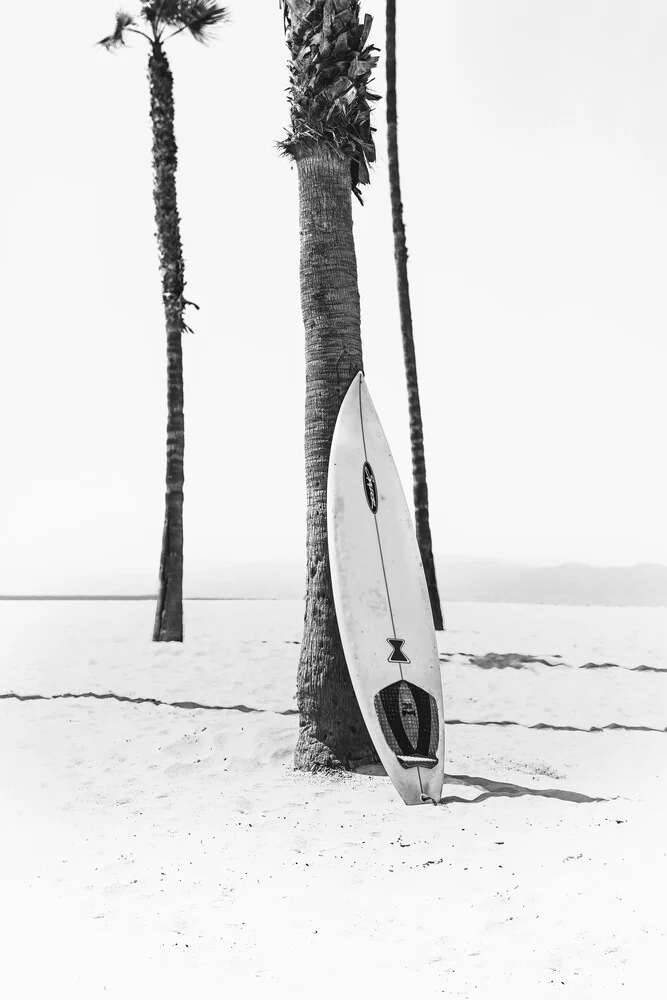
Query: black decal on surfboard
(408, 716)
(397, 655)
(370, 488)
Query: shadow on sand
(146, 701)
(493, 789)
(504, 789)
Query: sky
(533, 143)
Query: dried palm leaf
(330, 68)
(117, 38)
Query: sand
(149, 850)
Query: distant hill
(459, 578)
(462, 579)
(644, 584)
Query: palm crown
(165, 18)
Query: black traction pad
(408, 716)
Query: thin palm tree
(420, 488)
(330, 140)
(157, 22)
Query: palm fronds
(164, 11)
(200, 16)
(115, 40)
(330, 70)
(196, 16)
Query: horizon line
(124, 597)
(445, 600)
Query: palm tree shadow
(504, 789)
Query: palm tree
(420, 488)
(330, 140)
(157, 22)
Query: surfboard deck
(382, 604)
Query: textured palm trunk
(169, 613)
(420, 488)
(332, 731)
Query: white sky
(533, 142)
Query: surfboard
(382, 605)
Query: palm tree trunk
(332, 731)
(169, 613)
(420, 488)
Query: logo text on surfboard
(397, 655)
(370, 488)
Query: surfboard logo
(370, 488)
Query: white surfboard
(382, 605)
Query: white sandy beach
(157, 851)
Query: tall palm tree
(157, 22)
(330, 140)
(420, 488)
